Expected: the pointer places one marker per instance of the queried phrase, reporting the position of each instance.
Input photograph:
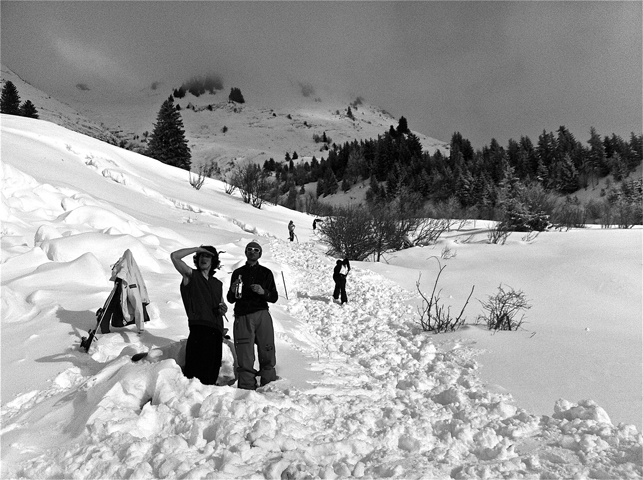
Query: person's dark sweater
(250, 301)
(201, 300)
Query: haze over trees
(199, 85)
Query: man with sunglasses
(253, 323)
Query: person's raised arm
(177, 260)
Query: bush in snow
(348, 233)
(207, 169)
(498, 234)
(251, 180)
(570, 214)
(433, 315)
(360, 232)
(524, 207)
(502, 309)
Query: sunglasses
(253, 250)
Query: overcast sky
(486, 69)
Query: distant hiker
(252, 286)
(315, 222)
(342, 267)
(202, 296)
(291, 231)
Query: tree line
(482, 182)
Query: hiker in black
(252, 322)
(342, 267)
(291, 231)
(202, 296)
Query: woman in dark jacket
(202, 295)
(342, 267)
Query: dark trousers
(250, 330)
(340, 287)
(203, 354)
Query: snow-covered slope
(363, 391)
(257, 130)
(55, 111)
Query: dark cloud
(486, 69)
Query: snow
(363, 392)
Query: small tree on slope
(10, 102)
(167, 142)
(28, 109)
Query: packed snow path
(391, 401)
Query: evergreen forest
(477, 183)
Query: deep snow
(363, 391)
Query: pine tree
(10, 102)
(236, 96)
(402, 126)
(28, 109)
(567, 176)
(167, 143)
(597, 154)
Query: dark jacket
(337, 272)
(250, 301)
(201, 299)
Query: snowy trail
(390, 402)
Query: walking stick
(284, 280)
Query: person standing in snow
(342, 267)
(252, 286)
(291, 231)
(202, 296)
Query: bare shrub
(498, 234)
(433, 315)
(449, 212)
(312, 205)
(447, 253)
(627, 214)
(428, 230)
(570, 214)
(360, 233)
(607, 215)
(502, 309)
(229, 187)
(348, 233)
(531, 236)
(205, 170)
(251, 180)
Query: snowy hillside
(55, 111)
(363, 392)
(256, 130)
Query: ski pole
(284, 280)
